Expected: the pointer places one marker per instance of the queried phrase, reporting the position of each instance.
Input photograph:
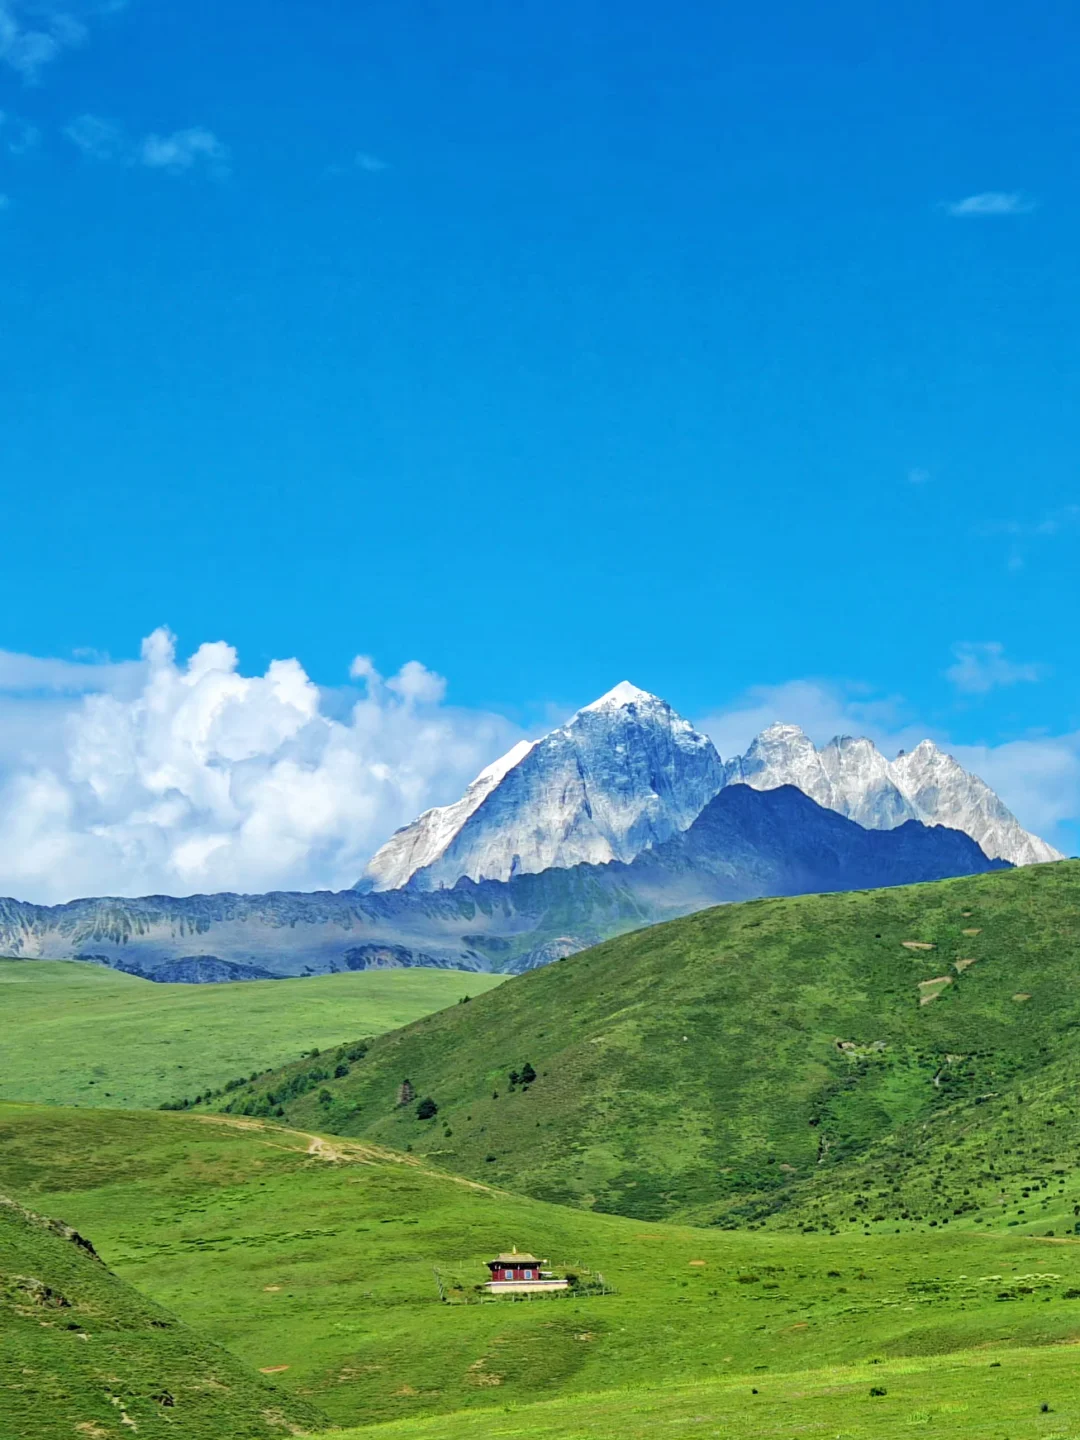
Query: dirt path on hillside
(336, 1151)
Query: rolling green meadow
(77, 1034)
(314, 1261)
(823, 1152)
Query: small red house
(516, 1273)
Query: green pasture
(312, 1259)
(986, 1394)
(78, 1034)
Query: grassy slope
(972, 1395)
(292, 1258)
(696, 1068)
(82, 1353)
(81, 1034)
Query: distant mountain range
(745, 843)
(622, 817)
(627, 772)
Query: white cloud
(182, 777)
(34, 33)
(1025, 533)
(182, 151)
(370, 163)
(822, 710)
(28, 673)
(99, 139)
(29, 41)
(1054, 522)
(1039, 780)
(980, 668)
(990, 203)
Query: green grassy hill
(83, 1354)
(1011, 1394)
(313, 1260)
(773, 1059)
(78, 1034)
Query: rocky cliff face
(855, 779)
(745, 843)
(624, 773)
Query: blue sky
(725, 349)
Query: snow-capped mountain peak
(854, 778)
(625, 694)
(626, 773)
(623, 773)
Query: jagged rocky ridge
(854, 778)
(745, 843)
(627, 772)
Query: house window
(508, 1274)
(528, 1274)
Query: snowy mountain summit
(624, 773)
(854, 778)
(627, 773)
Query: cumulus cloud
(990, 204)
(175, 154)
(980, 668)
(181, 777)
